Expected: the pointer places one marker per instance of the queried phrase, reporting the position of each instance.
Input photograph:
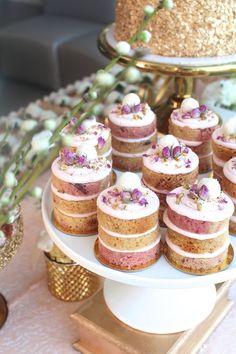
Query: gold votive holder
(67, 280)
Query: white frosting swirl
(98, 170)
(230, 170)
(145, 117)
(212, 210)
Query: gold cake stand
(182, 72)
(6, 254)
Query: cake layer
(128, 260)
(123, 163)
(199, 147)
(199, 265)
(75, 224)
(190, 29)
(134, 145)
(196, 225)
(168, 180)
(70, 204)
(205, 163)
(190, 234)
(185, 132)
(80, 189)
(128, 242)
(232, 227)
(136, 225)
(132, 132)
(196, 246)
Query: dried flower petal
(166, 152)
(176, 151)
(126, 109)
(203, 192)
(101, 142)
(195, 113)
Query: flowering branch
(43, 141)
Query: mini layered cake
(133, 127)
(90, 132)
(197, 218)
(168, 165)
(224, 146)
(77, 179)
(229, 187)
(193, 125)
(129, 236)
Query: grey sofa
(58, 46)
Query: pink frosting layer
(192, 225)
(132, 132)
(129, 260)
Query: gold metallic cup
(70, 281)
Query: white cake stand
(159, 299)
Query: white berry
(189, 104)
(129, 181)
(131, 100)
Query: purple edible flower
(126, 109)
(203, 192)
(156, 158)
(203, 108)
(68, 157)
(223, 201)
(188, 163)
(104, 199)
(186, 150)
(195, 113)
(137, 108)
(81, 160)
(80, 129)
(176, 151)
(101, 142)
(136, 194)
(166, 152)
(194, 188)
(143, 201)
(171, 194)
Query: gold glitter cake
(194, 28)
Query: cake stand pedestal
(159, 299)
(184, 71)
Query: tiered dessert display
(133, 127)
(224, 146)
(197, 218)
(229, 187)
(189, 55)
(193, 125)
(129, 235)
(168, 165)
(77, 179)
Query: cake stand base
(159, 311)
(3, 310)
